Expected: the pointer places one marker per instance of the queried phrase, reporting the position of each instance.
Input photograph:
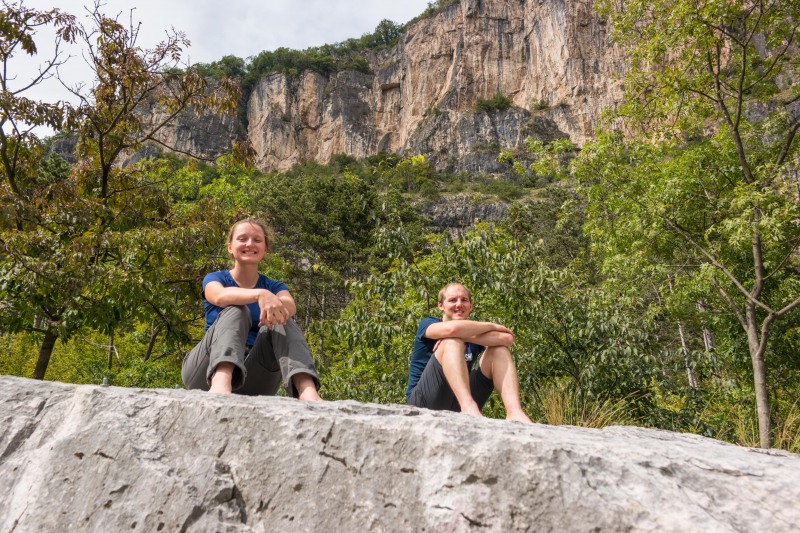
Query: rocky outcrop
(87, 458)
(552, 58)
(204, 135)
(460, 212)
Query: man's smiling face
(456, 304)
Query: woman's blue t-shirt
(224, 277)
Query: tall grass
(561, 406)
(785, 431)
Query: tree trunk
(708, 336)
(690, 374)
(110, 349)
(757, 349)
(308, 304)
(322, 317)
(154, 331)
(46, 350)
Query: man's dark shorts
(433, 392)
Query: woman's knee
(292, 330)
(235, 312)
(234, 318)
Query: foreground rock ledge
(86, 458)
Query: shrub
(496, 103)
(538, 105)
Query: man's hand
(483, 333)
(498, 337)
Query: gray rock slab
(90, 458)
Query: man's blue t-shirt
(423, 350)
(224, 277)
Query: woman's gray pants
(257, 371)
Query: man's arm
(493, 338)
(483, 333)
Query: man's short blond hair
(444, 290)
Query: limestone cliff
(551, 57)
(460, 212)
(87, 458)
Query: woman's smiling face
(248, 244)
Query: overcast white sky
(217, 28)
(246, 27)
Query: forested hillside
(651, 277)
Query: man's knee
(497, 352)
(493, 356)
(447, 348)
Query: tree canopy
(96, 243)
(701, 178)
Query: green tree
(20, 149)
(227, 67)
(566, 330)
(707, 162)
(498, 102)
(94, 246)
(325, 224)
(386, 34)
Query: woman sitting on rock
(251, 341)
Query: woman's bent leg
(263, 373)
(223, 342)
(279, 355)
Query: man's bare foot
(221, 381)
(471, 409)
(518, 416)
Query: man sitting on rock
(442, 376)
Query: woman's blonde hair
(265, 228)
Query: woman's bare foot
(221, 381)
(306, 388)
(471, 409)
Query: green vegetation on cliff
(326, 59)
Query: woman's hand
(273, 309)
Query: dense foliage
(96, 244)
(702, 181)
(498, 102)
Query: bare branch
(737, 313)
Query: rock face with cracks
(551, 59)
(88, 458)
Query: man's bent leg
(497, 364)
(432, 390)
(450, 354)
